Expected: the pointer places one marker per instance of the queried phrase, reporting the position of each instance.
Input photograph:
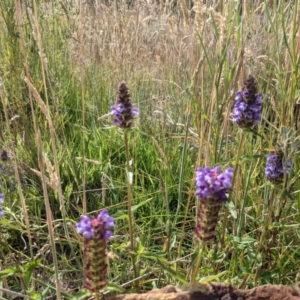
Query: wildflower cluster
(212, 188)
(1, 202)
(96, 234)
(248, 105)
(247, 112)
(123, 110)
(277, 167)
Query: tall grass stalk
(83, 129)
(45, 109)
(182, 165)
(57, 187)
(42, 54)
(12, 141)
(49, 215)
(24, 54)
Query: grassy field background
(60, 64)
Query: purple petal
(238, 96)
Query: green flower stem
(264, 233)
(268, 220)
(182, 169)
(129, 204)
(184, 222)
(198, 263)
(242, 210)
(224, 226)
(97, 296)
(181, 179)
(285, 188)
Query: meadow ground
(63, 156)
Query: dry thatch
(218, 291)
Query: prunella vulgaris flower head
(212, 188)
(96, 234)
(5, 155)
(123, 110)
(277, 166)
(248, 104)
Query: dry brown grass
(152, 39)
(207, 50)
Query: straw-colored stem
(4, 101)
(41, 50)
(82, 78)
(49, 216)
(25, 60)
(129, 202)
(46, 112)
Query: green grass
(68, 158)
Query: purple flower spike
(96, 233)
(248, 105)
(123, 111)
(212, 188)
(5, 155)
(277, 167)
